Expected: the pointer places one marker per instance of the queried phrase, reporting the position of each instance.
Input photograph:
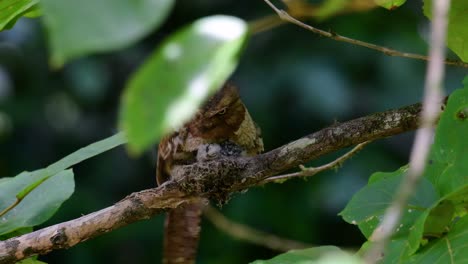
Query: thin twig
(424, 136)
(387, 51)
(311, 171)
(265, 23)
(246, 233)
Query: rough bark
(215, 179)
(135, 207)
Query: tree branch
(246, 233)
(308, 172)
(135, 207)
(387, 51)
(215, 179)
(218, 178)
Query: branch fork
(215, 179)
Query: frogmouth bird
(222, 126)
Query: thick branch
(137, 206)
(215, 179)
(218, 178)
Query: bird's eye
(222, 111)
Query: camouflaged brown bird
(222, 126)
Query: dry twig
(311, 171)
(249, 234)
(387, 51)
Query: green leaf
(26, 185)
(39, 205)
(87, 152)
(33, 12)
(179, 75)
(78, 28)
(394, 251)
(434, 222)
(390, 4)
(330, 7)
(317, 255)
(448, 162)
(32, 260)
(446, 169)
(439, 219)
(457, 35)
(448, 249)
(368, 205)
(11, 10)
(441, 198)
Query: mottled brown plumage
(223, 121)
(222, 118)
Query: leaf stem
(13, 205)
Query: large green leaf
(11, 10)
(181, 73)
(450, 248)
(457, 35)
(81, 27)
(87, 152)
(439, 200)
(317, 255)
(42, 191)
(447, 170)
(39, 205)
(394, 252)
(368, 206)
(448, 163)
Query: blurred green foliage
(316, 255)
(439, 202)
(78, 28)
(31, 198)
(175, 80)
(390, 4)
(293, 83)
(11, 10)
(457, 30)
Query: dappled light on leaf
(167, 90)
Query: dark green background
(293, 82)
